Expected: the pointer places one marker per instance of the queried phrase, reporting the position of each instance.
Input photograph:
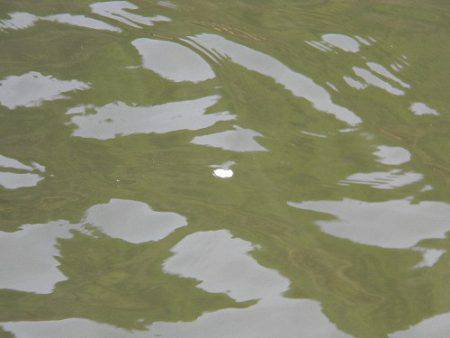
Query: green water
(225, 168)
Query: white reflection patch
(16, 181)
(119, 119)
(419, 108)
(32, 89)
(297, 83)
(12, 180)
(392, 155)
(7, 162)
(377, 68)
(173, 61)
(18, 20)
(430, 257)
(117, 10)
(239, 140)
(384, 179)
(354, 83)
(223, 265)
(375, 81)
(81, 21)
(392, 224)
(133, 221)
(341, 41)
(27, 257)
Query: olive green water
(333, 223)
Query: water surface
(224, 168)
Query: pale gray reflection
(362, 40)
(7, 162)
(11, 180)
(239, 140)
(81, 21)
(32, 89)
(133, 221)
(173, 61)
(377, 68)
(384, 179)
(354, 83)
(436, 327)
(119, 119)
(167, 4)
(320, 46)
(276, 317)
(21, 20)
(392, 155)
(222, 264)
(281, 317)
(16, 181)
(18, 20)
(390, 224)
(419, 108)
(117, 10)
(297, 83)
(429, 257)
(341, 41)
(375, 81)
(27, 257)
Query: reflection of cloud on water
(397, 224)
(239, 140)
(298, 84)
(32, 89)
(119, 119)
(13, 180)
(221, 263)
(27, 256)
(383, 179)
(119, 11)
(173, 61)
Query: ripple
(384, 179)
(298, 84)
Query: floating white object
(223, 173)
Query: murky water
(225, 168)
